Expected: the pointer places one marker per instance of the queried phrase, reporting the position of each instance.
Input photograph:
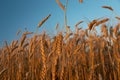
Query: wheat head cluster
(80, 55)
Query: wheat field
(72, 55)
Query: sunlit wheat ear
(27, 33)
(45, 19)
(116, 28)
(90, 25)
(15, 43)
(104, 29)
(43, 72)
(118, 18)
(81, 1)
(101, 21)
(22, 40)
(78, 23)
(60, 4)
(108, 7)
(14, 48)
(68, 35)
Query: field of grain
(83, 54)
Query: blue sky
(21, 14)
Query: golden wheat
(60, 5)
(81, 1)
(45, 19)
(118, 18)
(69, 56)
(101, 21)
(78, 23)
(108, 7)
(91, 24)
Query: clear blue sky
(21, 14)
